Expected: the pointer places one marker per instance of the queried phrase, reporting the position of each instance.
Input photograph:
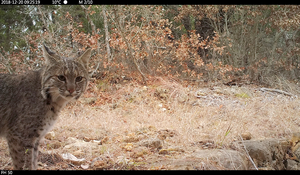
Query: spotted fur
(30, 103)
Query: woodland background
(159, 94)
(256, 43)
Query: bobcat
(30, 103)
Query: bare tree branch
(120, 28)
(94, 32)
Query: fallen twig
(248, 153)
(276, 90)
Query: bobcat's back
(20, 96)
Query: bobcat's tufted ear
(84, 58)
(49, 56)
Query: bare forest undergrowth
(132, 126)
(169, 81)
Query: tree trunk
(109, 58)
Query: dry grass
(219, 117)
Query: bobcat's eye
(78, 79)
(61, 78)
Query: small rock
(229, 159)
(246, 136)
(292, 165)
(101, 162)
(122, 160)
(183, 98)
(200, 93)
(104, 140)
(161, 93)
(50, 135)
(72, 143)
(139, 159)
(54, 145)
(97, 141)
(139, 152)
(89, 100)
(164, 133)
(163, 151)
(265, 168)
(145, 88)
(151, 128)
(71, 140)
(295, 139)
(170, 150)
(128, 147)
(86, 166)
(152, 143)
(295, 145)
(78, 153)
(72, 158)
(49, 157)
(132, 138)
(163, 109)
(88, 139)
(206, 144)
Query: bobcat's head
(64, 79)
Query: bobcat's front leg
(35, 152)
(23, 152)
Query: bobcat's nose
(71, 91)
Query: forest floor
(161, 125)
